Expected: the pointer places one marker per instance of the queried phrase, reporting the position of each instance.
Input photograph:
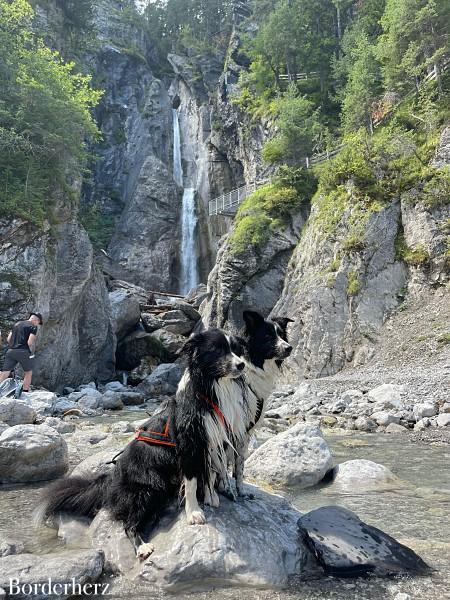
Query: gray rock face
(363, 475)
(31, 453)
(138, 345)
(332, 323)
(251, 279)
(57, 274)
(171, 342)
(144, 248)
(125, 311)
(250, 543)
(16, 412)
(299, 456)
(346, 546)
(30, 569)
(176, 321)
(60, 425)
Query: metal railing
(298, 76)
(228, 203)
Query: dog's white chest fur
(260, 384)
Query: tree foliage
(44, 117)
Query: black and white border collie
(263, 346)
(183, 444)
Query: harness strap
(216, 409)
(155, 437)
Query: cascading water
(189, 272)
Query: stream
(417, 514)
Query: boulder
(68, 567)
(111, 401)
(163, 380)
(171, 342)
(425, 409)
(60, 425)
(384, 418)
(197, 295)
(297, 457)
(396, 428)
(363, 474)
(16, 412)
(422, 424)
(177, 322)
(125, 311)
(109, 536)
(9, 547)
(3, 427)
(186, 308)
(365, 424)
(351, 396)
(386, 396)
(132, 398)
(32, 453)
(252, 543)
(136, 346)
(97, 463)
(151, 322)
(346, 546)
(89, 402)
(115, 386)
(443, 420)
(63, 405)
(41, 401)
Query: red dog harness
(162, 438)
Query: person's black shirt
(20, 334)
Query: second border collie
(183, 443)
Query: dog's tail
(77, 496)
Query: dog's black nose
(240, 366)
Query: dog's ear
(282, 321)
(252, 319)
(236, 345)
(189, 347)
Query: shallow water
(417, 513)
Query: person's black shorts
(14, 356)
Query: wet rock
(81, 567)
(163, 380)
(115, 386)
(251, 543)
(125, 311)
(362, 474)
(62, 405)
(111, 401)
(60, 425)
(186, 308)
(3, 427)
(109, 536)
(41, 401)
(346, 546)
(365, 424)
(299, 456)
(443, 420)
(396, 428)
(9, 547)
(121, 427)
(425, 409)
(328, 421)
(422, 424)
(16, 412)
(89, 402)
(32, 453)
(97, 463)
(132, 398)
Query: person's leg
(4, 375)
(27, 380)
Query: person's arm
(31, 341)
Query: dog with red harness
(183, 444)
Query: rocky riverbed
(310, 450)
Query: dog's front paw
(196, 517)
(144, 551)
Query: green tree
(414, 39)
(44, 117)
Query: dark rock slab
(345, 546)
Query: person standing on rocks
(21, 342)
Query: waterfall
(189, 272)
(177, 167)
